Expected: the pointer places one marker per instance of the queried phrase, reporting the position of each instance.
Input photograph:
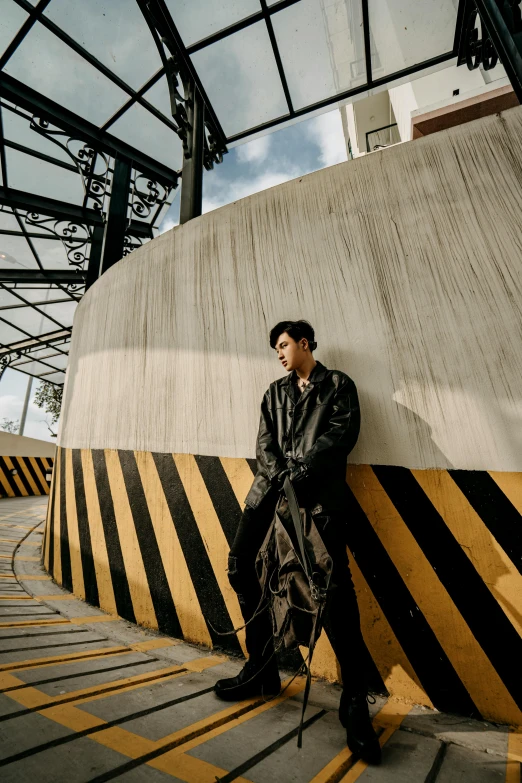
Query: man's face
(289, 353)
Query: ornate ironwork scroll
(214, 149)
(479, 50)
(75, 237)
(180, 83)
(92, 165)
(147, 194)
(131, 243)
(477, 47)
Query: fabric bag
(294, 570)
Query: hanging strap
(298, 525)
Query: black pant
(341, 618)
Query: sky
(260, 164)
(270, 160)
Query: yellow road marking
(47, 539)
(98, 545)
(42, 663)
(473, 667)
(87, 655)
(511, 486)
(334, 767)
(17, 479)
(39, 474)
(28, 558)
(515, 746)
(239, 475)
(29, 478)
(78, 585)
(35, 578)
(390, 716)
(489, 559)
(212, 535)
(25, 543)
(6, 485)
(96, 618)
(394, 666)
(57, 564)
(32, 698)
(175, 762)
(17, 598)
(180, 582)
(155, 644)
(130, 548)
(21, 623)
(513, 772)
(58, 597)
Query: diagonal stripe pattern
(435, 557)
(24, 476)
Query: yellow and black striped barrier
(23, 476)
(436, 558)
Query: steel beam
(18, 93)
(95, 256)
(55, 276)
(117, 222)
(507, 45)
(191, 198)
(19, 199)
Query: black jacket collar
(317, 375)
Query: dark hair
(296, 329)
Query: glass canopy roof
(259, 63)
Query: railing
(382, 137)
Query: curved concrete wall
(406, 263)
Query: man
(310, 422)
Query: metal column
(117, 221)
(26, 405)
(191, 199)
(95, 256)
(505, 31)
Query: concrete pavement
(86, 697)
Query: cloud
(10, 407)
(35, 425)
(326, 131)
(167, 224)
(255, 151)
(227, 192)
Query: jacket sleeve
(270, 458)
(342, 431)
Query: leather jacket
(317, 427)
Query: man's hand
(299, 474)
(279, 479)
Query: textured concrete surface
(406, 264)
(104, 699)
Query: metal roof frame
(110, 233)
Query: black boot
(360, 735)
(254, 679)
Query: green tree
(9, 425)
(49, 397)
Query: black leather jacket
(318, 427)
